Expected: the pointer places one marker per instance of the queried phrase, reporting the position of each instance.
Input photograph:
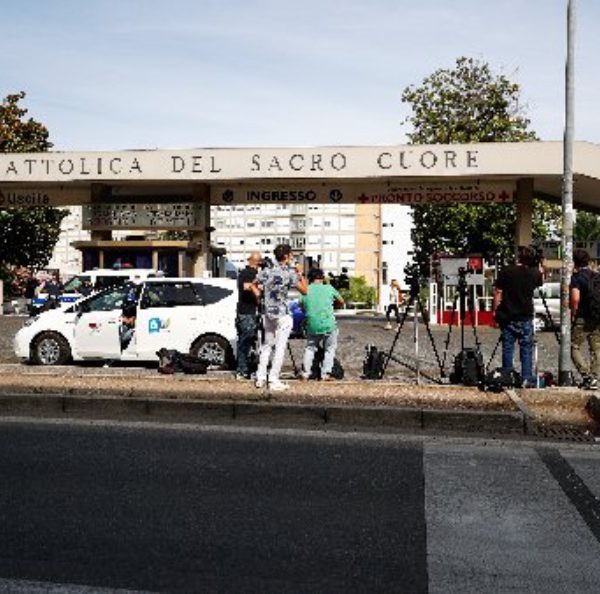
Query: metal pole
(564, 362)
(416, 339)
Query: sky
(135, 74)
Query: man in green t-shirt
(321, 327)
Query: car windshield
(106, 300)
(104, 282)
(74, 284)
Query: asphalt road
(357, 332)
(100, 507)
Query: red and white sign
(443, 194)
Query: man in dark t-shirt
(585, 327)
(247, 314)
(513, 306)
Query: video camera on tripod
(340, 281)
(468, 367)
(376, 363)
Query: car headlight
(30, 321)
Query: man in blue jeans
(514, 311)
(247, 315)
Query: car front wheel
(50, 348)
(214, 350)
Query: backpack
(373, 363)
(172, 361)
(593, 296)
(337, 371)
(468, 368)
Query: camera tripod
(549, 315)
(416, 301)
(460, 300)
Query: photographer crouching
(274, 283)
(514, 311)
(321, 326)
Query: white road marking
(33, 587)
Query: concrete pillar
(98, 194)
(524, 208)
(201, 237)
(182, 264)
(155, 259)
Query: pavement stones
(384, 406)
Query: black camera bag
(373, 363)
(468, 368)
(498, 379)
(172, 361)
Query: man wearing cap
(247, 314)
(321, 326)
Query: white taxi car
(191, 315)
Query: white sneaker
(260, 384)
(278, 386)
(388, 326)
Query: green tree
(587, 227)
(27, 235)
(17, 134)
(359, 291)
(464, 104)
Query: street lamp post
(564, 362)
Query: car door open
(98, 325)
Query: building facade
(396, 247)
(335, 236)
(65, 257)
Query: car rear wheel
(214, 350)
(50, 348)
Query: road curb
(246, 413)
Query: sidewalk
(143, 394)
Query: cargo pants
(585, 331)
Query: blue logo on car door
(153, 325)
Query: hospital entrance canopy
(404, 174)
